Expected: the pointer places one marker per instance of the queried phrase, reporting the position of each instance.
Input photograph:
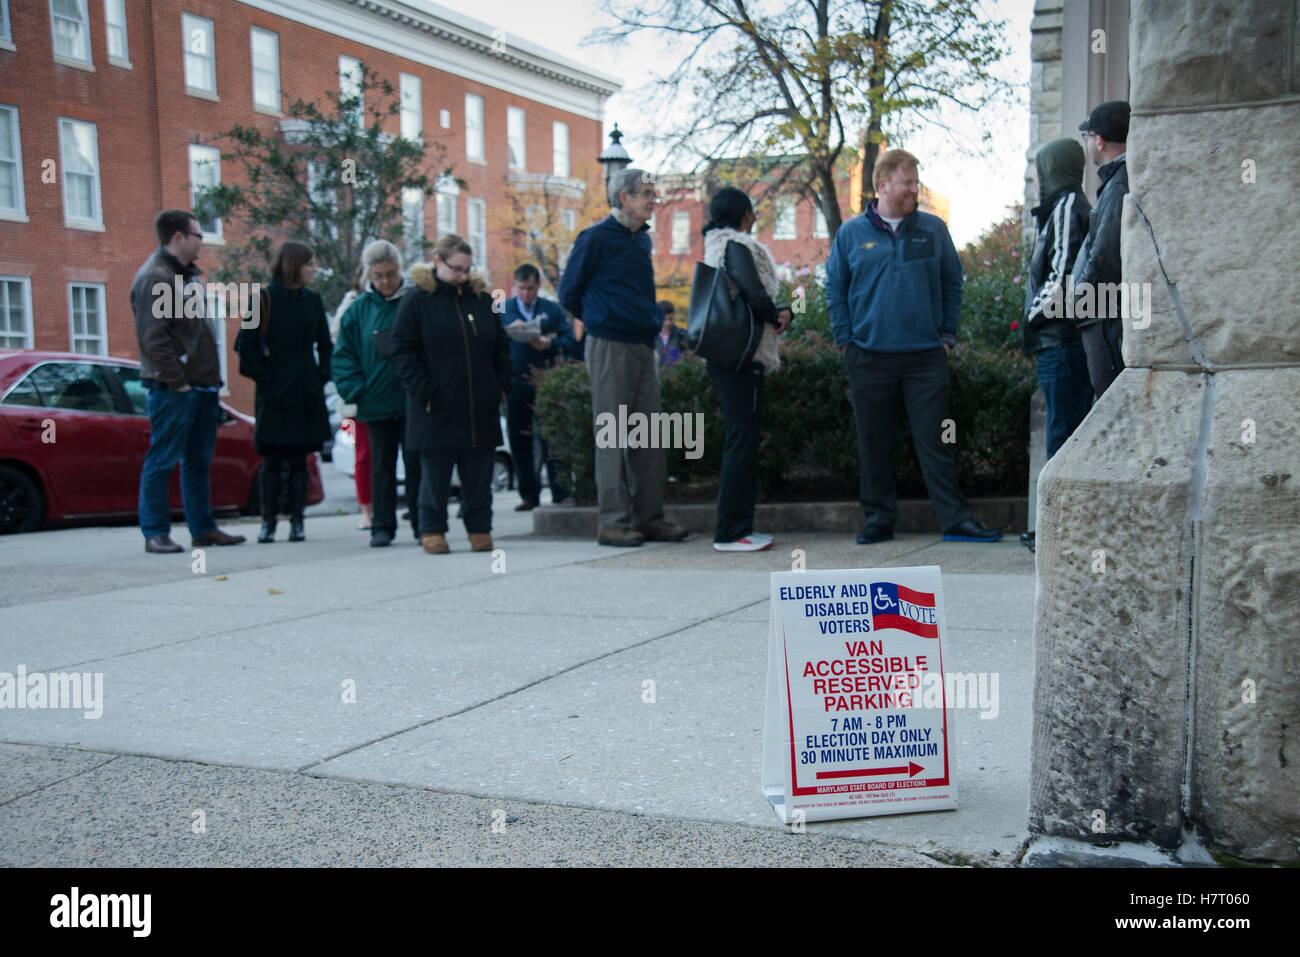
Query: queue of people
(427, 360)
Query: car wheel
(21, 507)
(503, 473)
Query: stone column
(1167, 623)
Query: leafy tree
(826, 80)
(544, 214)
(328, 176)
(993, 297)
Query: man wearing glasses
(609, 284)
(1098, 267)
(180, 367)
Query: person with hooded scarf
(1053, 339)
(365, 376)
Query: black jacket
(453, 359)
(1099, 260)
(290, 399)
(1062, 227)
(739, 263)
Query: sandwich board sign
(856, 719)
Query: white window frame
(215, 312)
(320, 195)
(679, 241)
(412, 107)
(350, 85)
(569, 216)
(96, 220)
(412, 222)
(264, 69)
(6, 28)
(475, 139)
(101, 339)
(18, 212)
(444, 119)
(786, 225)
(115, 20)
(446, 213)
(196, 61)
(83, 24)
(476, 228)
(821, 229)
(6, 306)
(560, 148)
(205, 156)
(516, 138)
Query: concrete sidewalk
(517, 691)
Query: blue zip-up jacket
(523, 357)
(609, 283)
(893, 293)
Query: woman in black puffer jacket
(453, 359)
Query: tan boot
(435, 543)
(480, 542)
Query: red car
(74, 431)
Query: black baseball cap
(1109, 121)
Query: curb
(914, 515)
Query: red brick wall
(145, 121)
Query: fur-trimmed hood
(423, 275)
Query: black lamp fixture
(615, 158)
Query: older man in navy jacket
(893, 291)
(554, 339)
(609, 283)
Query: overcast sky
(979, 187)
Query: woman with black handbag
(751, 274)
(289, 405)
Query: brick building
(101, 102)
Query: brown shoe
(434, 543)
(619, 537)
(162, 544)
(663, 531)
(217, 537)
(480, 542)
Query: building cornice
(448, 41)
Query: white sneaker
(750, 543)
(759, 537)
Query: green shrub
(993, 296)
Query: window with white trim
(205, 174)
(412, 116)
(79, 147)
(681, 233)
(6, 31)
(474, 128)
(115, 23)
(444, 119)
(412, 223)
(265, 46)
(200, 54)
(70, 24)
(86, 317)
(476, 226)
(321, 195)
(446, 213)
(11, 164)
(515, 138)
(15, 312)
(215, 315)
(560, 148)
(785, 220)
(820, 228)
(350, 87)
(570, 219)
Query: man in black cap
(1105, 132)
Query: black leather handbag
(719, 327)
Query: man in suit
(554, 338)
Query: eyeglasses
(195, 235)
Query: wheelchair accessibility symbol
(881, 600)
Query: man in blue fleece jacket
(893, 290)
(609, 283)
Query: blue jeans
(1063, 376)
(182, 428)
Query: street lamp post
(615, 158)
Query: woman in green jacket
(277, 354)
(364, 376)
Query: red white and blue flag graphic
(897, 606)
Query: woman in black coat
(292, 421)
(453, 359)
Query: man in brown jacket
(180, 367)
